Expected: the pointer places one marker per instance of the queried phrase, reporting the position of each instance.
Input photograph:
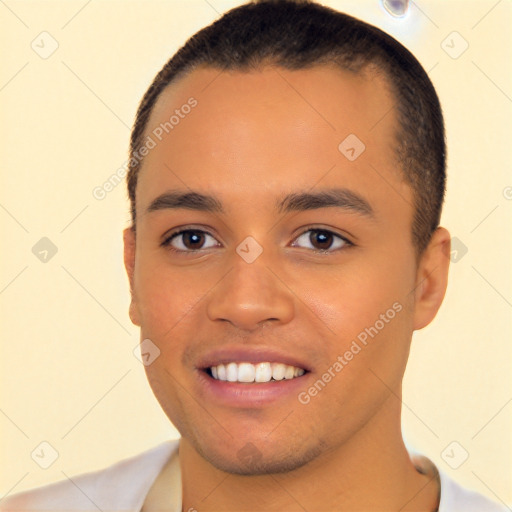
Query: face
(301, 255)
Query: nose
(251, 295)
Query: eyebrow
(342, 198)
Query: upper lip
(254, 354)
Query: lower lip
(257, 394)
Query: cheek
(355, 297)
(165, 295)
(367, 314)
(167, 388)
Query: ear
(432, 278)
(129, 265)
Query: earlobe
(129, 264)
(432, 278)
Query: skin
(252, 138)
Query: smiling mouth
(250, 373)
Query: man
(286, 181)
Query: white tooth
(278, 371)
(221, 372)
(232, 372)
(288, 374)
(246, 372)
(297, 372)
(263, 372)
(260, 372)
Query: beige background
(69, 376)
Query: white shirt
(125, 485)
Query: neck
(370, 471)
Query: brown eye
(322, 240)
(189, 240)
(193, 239)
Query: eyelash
(167, 242)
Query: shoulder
(455, 498)
(121, 486)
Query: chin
(250, 460)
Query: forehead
(271, 130)
(325, 99)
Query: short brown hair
(297, 34)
